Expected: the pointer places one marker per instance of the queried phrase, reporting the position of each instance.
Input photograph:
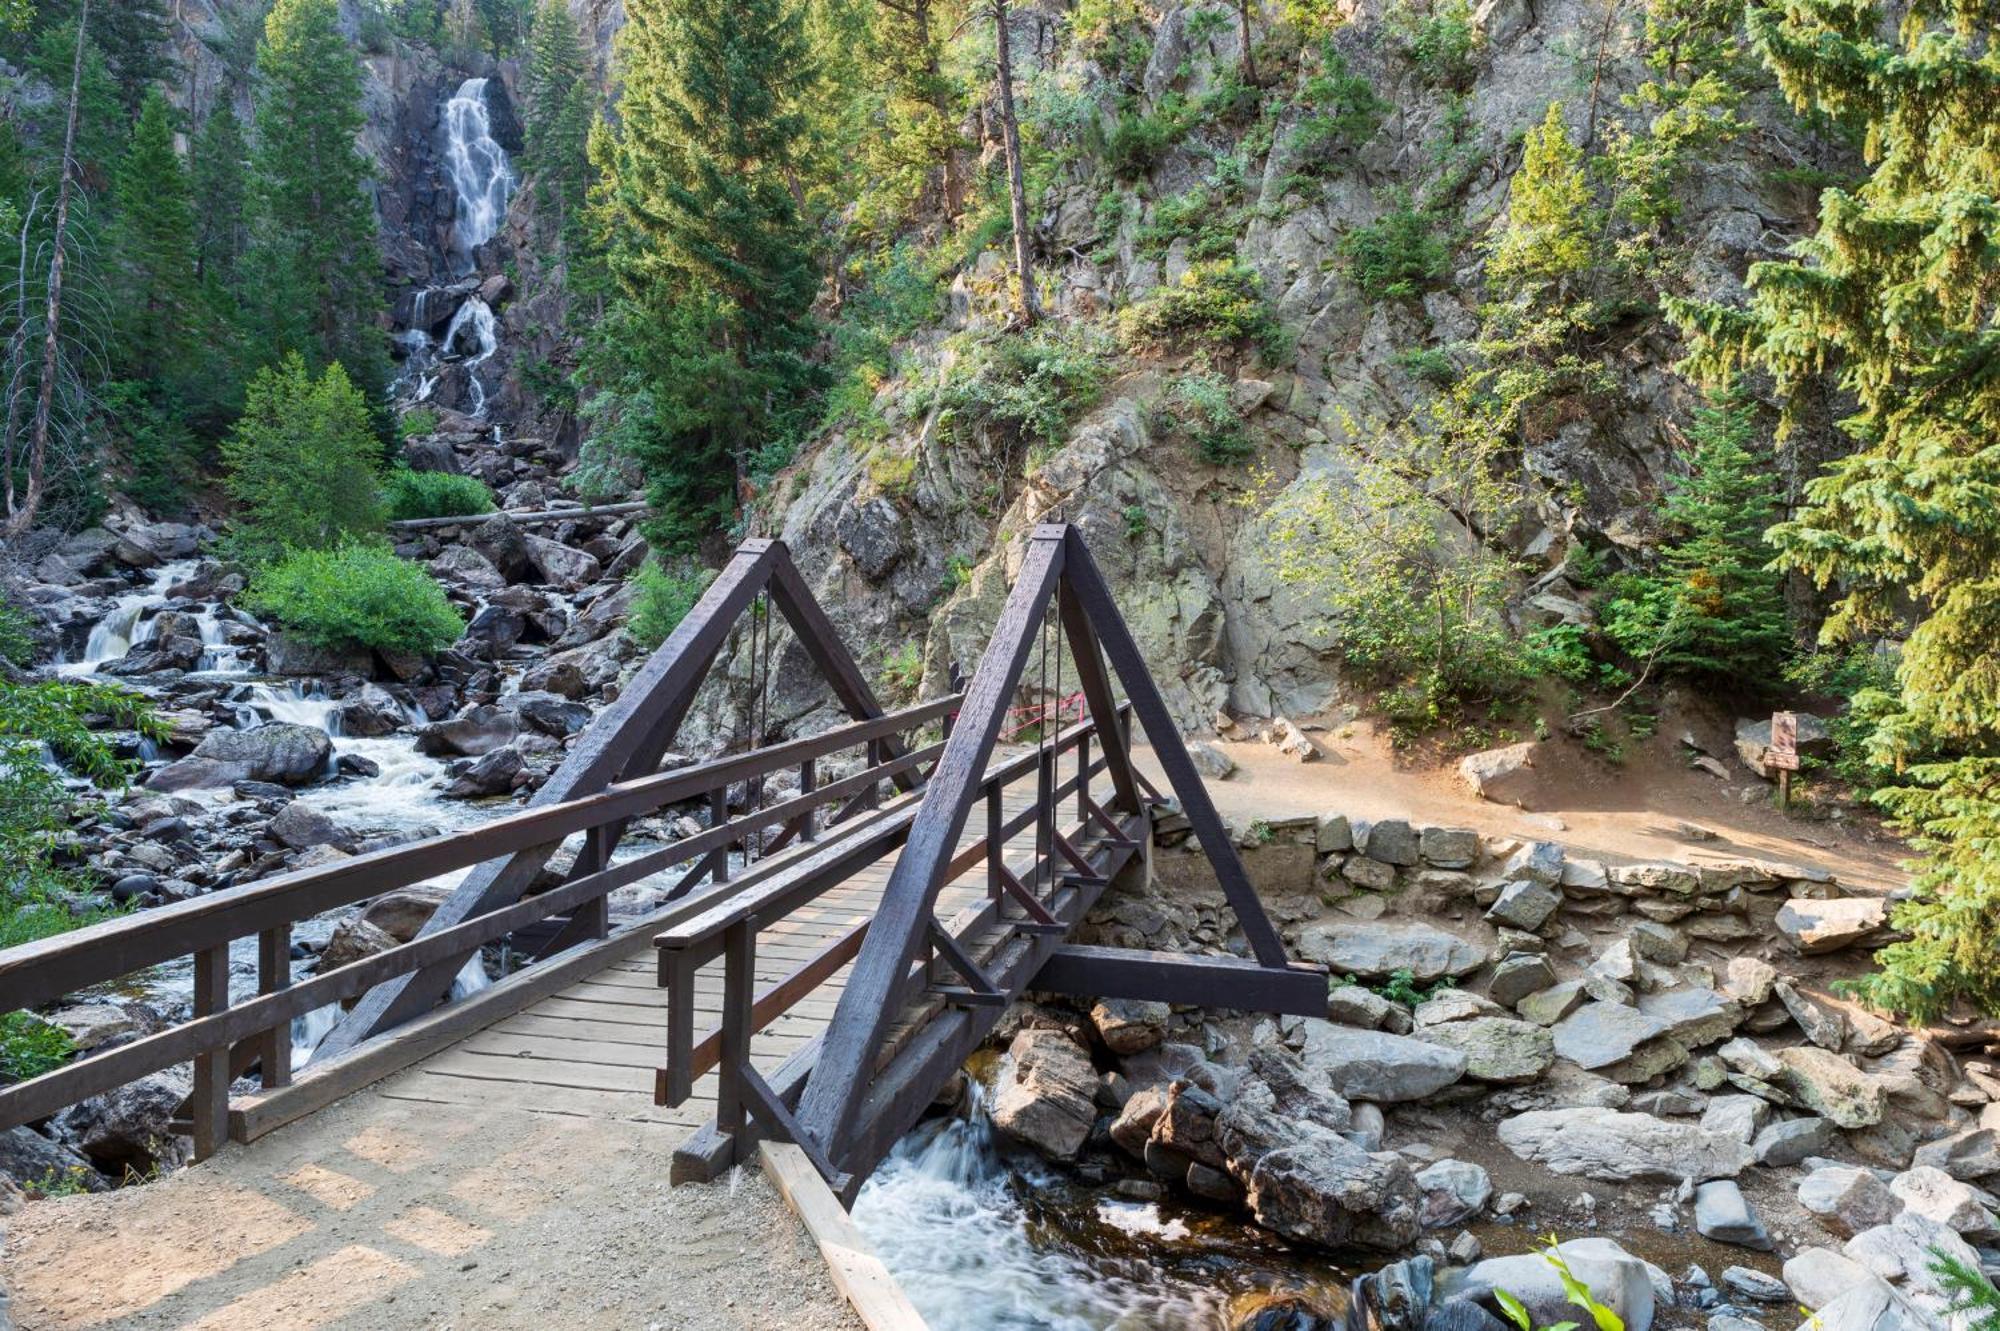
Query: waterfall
(480, 172)
(474, 321)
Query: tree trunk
(1243, 31)
(1017, 188)
(940, 91)
(38, 448)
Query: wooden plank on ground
(857, 1272)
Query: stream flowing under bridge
(861, 908)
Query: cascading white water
(112, 636)
(474, 320)
(951, 1218)
(480, 172)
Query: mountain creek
(1571, 999)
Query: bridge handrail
(50, 968)
(41, 971)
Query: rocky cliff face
(1186, 544)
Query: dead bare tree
(20, 515)
(1017, 188)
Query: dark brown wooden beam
(866, 1004)
(1083, 971)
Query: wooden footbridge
(828, 955)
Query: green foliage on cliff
(433, 494)
(1893, 299)
(556, 128)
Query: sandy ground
(1626, 812)
(381, 1213)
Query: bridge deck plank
(590, 1049)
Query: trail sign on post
(1782, 756)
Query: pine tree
(313, 264)
(160, 314)
(559, 113)
(219, 194)
(1712, 606)
(303, 462)
(707, 361)
(1896, 297)
(1550, 217)
(132, 34)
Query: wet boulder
(368, 714)
(281, 752)
(1615, 1278)
(561, 565)
(289, 654)
(550, 713)
(504, 545)
(495, 773)
(301, 827)
(472, 734)
(402, 914)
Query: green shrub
(1203, 404)
(1218, 303)
(1200, 217)
(1399, 256)
(17, 639)
(1030, 385)
(1441, 41)
(357, 596)
(903, 671)
(30, 1046)
(1344, 111)
(1139, 140)
(1430, 364)
(434, 494)
(662, 601)
(417, 422)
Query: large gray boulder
(1832, 1087)
(1049, 1100)
(1306, 1181)
(1616, 1279)
(1374, 950)
(1848, 1199)
(130, 1129)
(1497, 1049)
(1606, 1144)
(1505, 775)
(1814, 927)
(281, 752)
(1378, 1066)
(472, 734)
(1599, 1034)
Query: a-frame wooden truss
(627, 740)
(856, 1102)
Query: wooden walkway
(459, 1193)
(591, 1050)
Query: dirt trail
(381, 1213)
(1633, 811)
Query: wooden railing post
(995, 851)
(1083, 776)
(874, 800)
(274, 972)
(718, 814)
(808, 782)
(209, 1107)
(739, 991)
(1045, 784)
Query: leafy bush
(662, 601)
(302, 462)
(1030, 385)
(434, 494)
(1219, 303)
(893, 473)
(30, 1046)
(1139, 140)
(1344, 110)
(903, 671)
(1430, 364)
(416, 423)
(357, 596)
(1197, 215)
(1203, 404)
(1441, 41)
(17, 639)
(1398, 256)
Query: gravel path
(378, 1213)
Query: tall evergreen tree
(1547, 239)
(559, 113)
(219, 194)
(313, 264)
(159, 310)
(1899, 296)
(713, 258)
(303, 462)
(132, 34)
(1712, 606)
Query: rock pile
(1660, 1031)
